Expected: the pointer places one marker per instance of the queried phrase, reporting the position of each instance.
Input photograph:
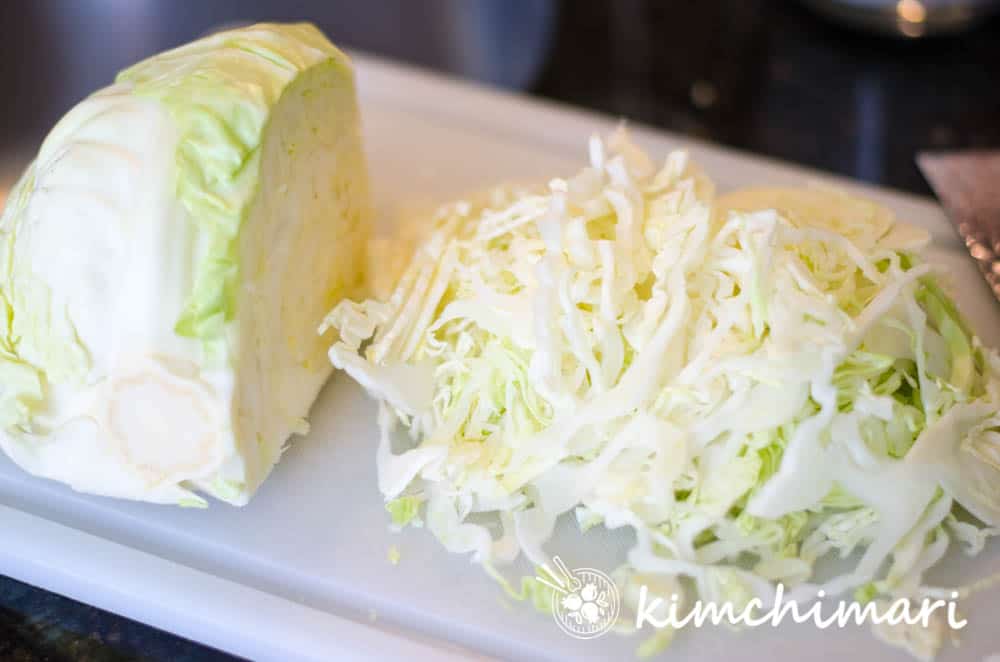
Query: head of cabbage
(163, 262)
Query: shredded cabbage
(753, 383)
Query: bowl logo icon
(585, 602)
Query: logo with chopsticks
(585, 602)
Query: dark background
(766, 76)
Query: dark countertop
(763, 76)
(36, 625)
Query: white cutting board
(302, 572)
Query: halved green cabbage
(165, 259)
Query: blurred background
(851, 86)
(855, 87)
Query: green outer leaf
(220, 91)
(21, 384)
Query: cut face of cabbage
(751, 383)
(165, 259)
